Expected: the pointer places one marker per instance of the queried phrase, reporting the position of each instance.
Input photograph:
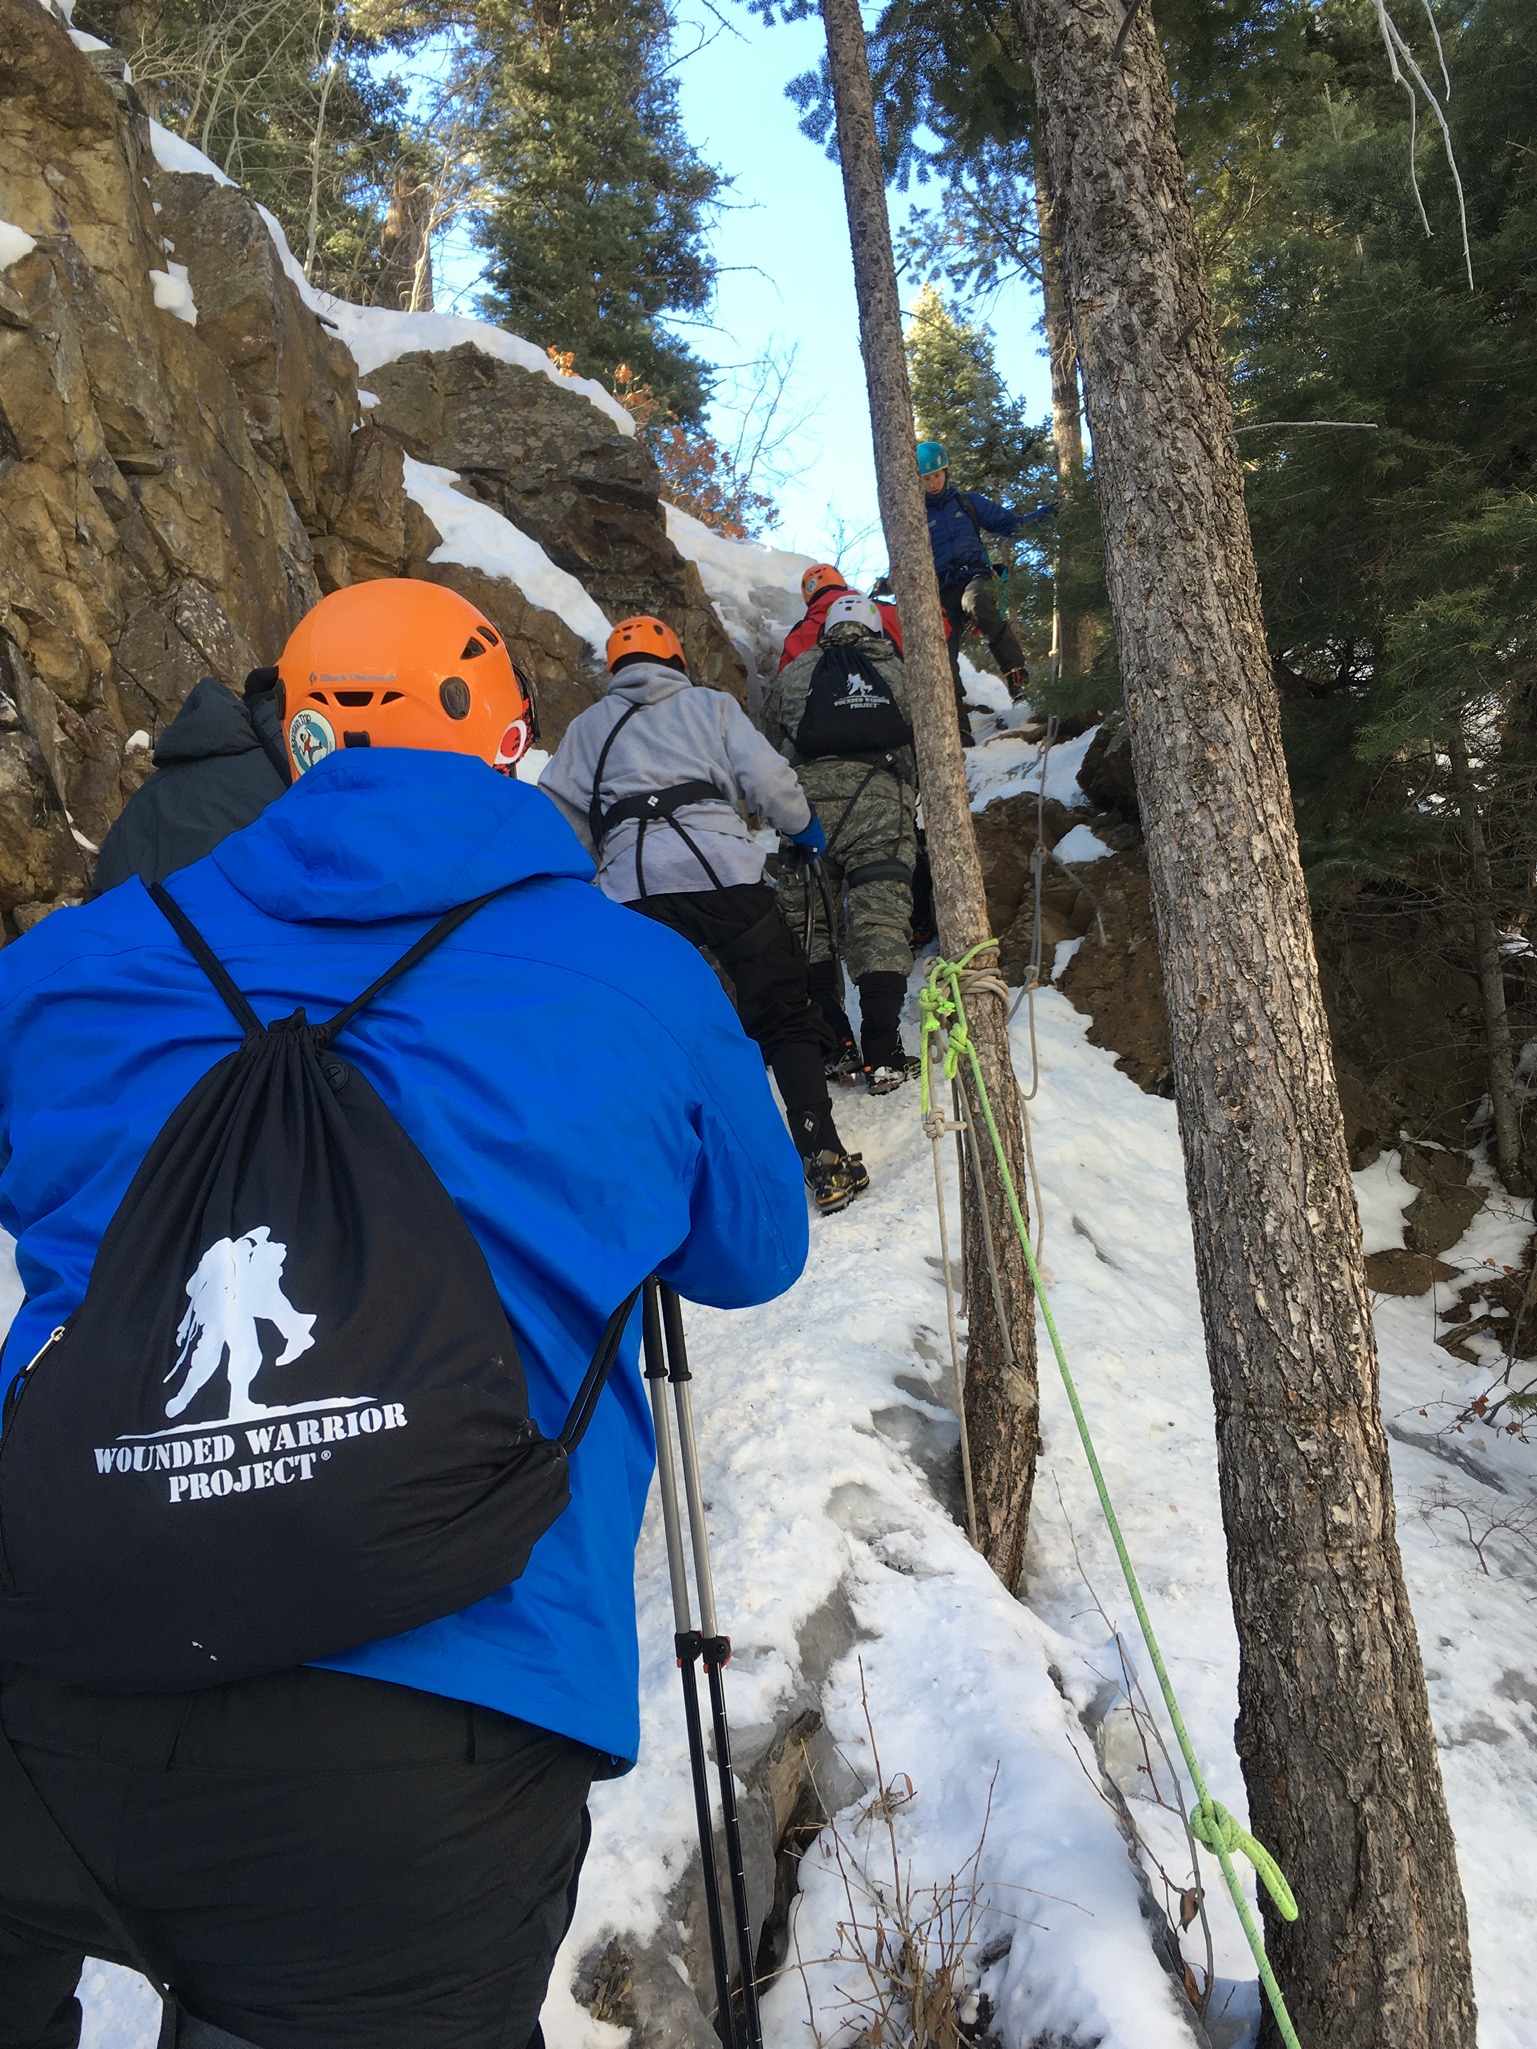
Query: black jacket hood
(211, 722)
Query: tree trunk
(1333, 1726)
(1002, 1403)
(1491, 979)
(1071, 628)
(405, 247)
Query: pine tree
(595, 222)
(960, 399)
(1396, 553)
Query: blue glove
(811, 839)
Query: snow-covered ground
(818, 1416)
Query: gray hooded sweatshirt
(683, 734)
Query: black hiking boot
(847, 1066)
(881, 997)
(891, 1074)
(835, 1178)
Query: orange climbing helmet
(644, 639)
(402, 663)
(822, 576)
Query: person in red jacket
(822, 583)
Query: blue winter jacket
(572, 1072)
(958, 546)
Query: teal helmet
(931, 457)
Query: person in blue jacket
(968, 586)
(381, 1853)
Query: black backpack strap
(964, 498)
(326, 1032)
(595, 804)
(17, 1789)
(219, 975)
(848, 810)
(205, 957)
(596, 1377)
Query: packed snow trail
(825, 1424)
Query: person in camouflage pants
(865, 802)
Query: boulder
(1397, 1272)
(1006, 839)
(563, 473)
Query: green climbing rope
(944, 1011)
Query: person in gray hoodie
(218, 765)
(653, 780)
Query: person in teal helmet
(968, 587)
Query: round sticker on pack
(311, 737)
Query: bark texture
(1334, 1728)
(1071, 627)
(1002, 1404)
(405, 251)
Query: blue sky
(786, 277)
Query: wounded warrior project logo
(858, 695)
(237, 1288)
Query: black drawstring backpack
(851, 711)
(289, 1416)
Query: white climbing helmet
(851, 608)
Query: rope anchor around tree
(942, 1003)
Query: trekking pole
(688, 1644)
(716, 1652)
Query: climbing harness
(667, 1360)
(648, 807)
(885, 870)
(943, 1006)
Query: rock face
(144, 539)
(1006, 841)
(564, 473)
(175, 493)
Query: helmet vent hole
(354, 697)
(390, 696)
(454, 696)
(472, 648)
(489, 633)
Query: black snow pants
(972, 600)
(743, 928)
(311, 1860)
